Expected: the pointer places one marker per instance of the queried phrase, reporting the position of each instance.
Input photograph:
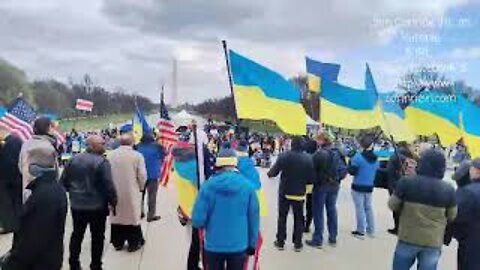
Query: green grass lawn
(94, 123)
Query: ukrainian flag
(318, 71)
(247, 169)
(140, 125)
(433, 112)
(394, 123)
(185, 177)
(392, 119)
(262, 94)
(470, 123)
(346, 107)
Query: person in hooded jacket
(466, 226)
(425, 204)
(227, 209)
(10, 182)
(395, 171)
(39, 243)
(296, 169)
(363, 166)
(43, 139)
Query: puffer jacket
(425, 203)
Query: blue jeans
(406, 254)
(325, 198)
(364, 212)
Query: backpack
(337, 169)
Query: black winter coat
(10, 183)
(88, 180)
(42, 226)
(467, 227)
(296, 168)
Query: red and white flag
(84, 105)
(168, 138)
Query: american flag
(19, 119)
(168, 138)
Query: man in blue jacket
(154, 154)
(227, 209)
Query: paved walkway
(166, 246)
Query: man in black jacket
(296, 168)
(39, 243)
(467, 224)
(325, 190)
(10, 182)
(88, 180)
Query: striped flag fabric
(84, 105)
(18, 119)
(168, 138)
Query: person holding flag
(154, 155)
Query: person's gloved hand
(250, 251)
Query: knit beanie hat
(242, 146)
(226, 157)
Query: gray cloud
(131, 43)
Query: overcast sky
(132, 43)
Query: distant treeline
(218, 109)
(51, 96)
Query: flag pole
(230, 80)
(195, 141)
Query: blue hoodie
(227, 208)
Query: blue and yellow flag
(262, 94)
(185, 177)
(140, 125)
(346, 107)
(432, 112)
(318, 71)
(470, 124)
(392, 118)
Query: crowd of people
(110, 189)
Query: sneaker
(279, 246)
(298, 248)
(371, 235)
(393, 231)
(312, 244)
(358, 235)
(332, 243)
